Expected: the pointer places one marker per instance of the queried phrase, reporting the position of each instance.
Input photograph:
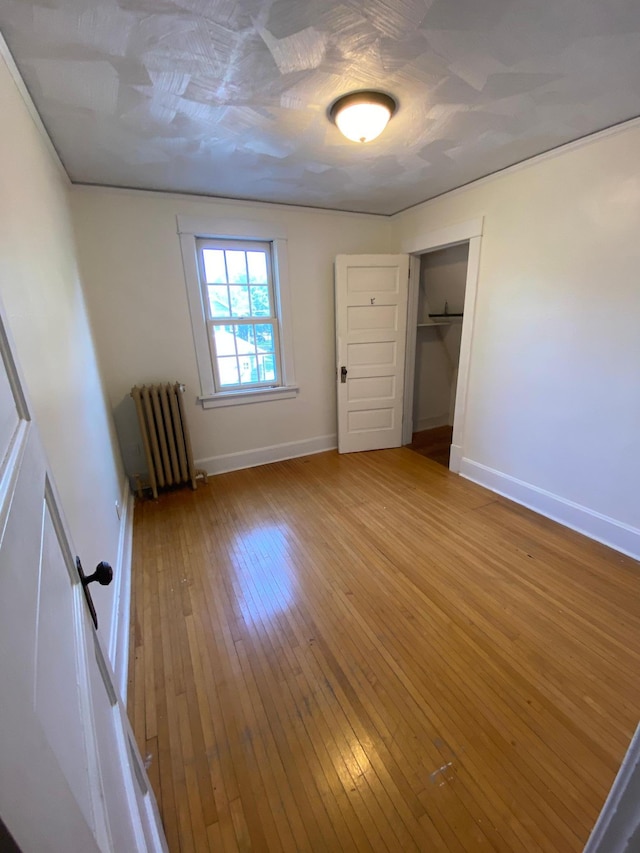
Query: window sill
(241, 398)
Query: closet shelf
(446, 315)
(429, 325)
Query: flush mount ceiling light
(362, 116)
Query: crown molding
(566, 148)
(232, 202)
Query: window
(237, 288)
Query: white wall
(553, 408)
(443, 276)
(45, 310)
(130, 256)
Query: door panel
(367, 318)
(46, 798)
(373, 388)
(370, 420)
(64, 785)
(371, 319)
(374, 279)
(372, 355)
(60, 700)
(112, 752)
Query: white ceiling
(229, 97)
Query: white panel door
(66, 776)
(371, 327)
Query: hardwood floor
(434, 443)
(366, 652)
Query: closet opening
(439, 314)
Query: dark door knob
(103, 574)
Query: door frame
(619, 821)
(431, 241)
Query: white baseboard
(455, 458)
(431, 423)
(600, 527)
(264, 455)
(119, 638)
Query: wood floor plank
(362, 685)
(169, 751)
(196, 811)
(360, 635)
(283, 698)
(150, 757)
(354, 752)
(208, 713)
(149, 638)
(366, 652)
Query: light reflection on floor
(264, 576)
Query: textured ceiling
(229, 98)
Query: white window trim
(189, 228)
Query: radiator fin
(165, 436)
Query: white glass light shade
(363, 122)
(362, 116)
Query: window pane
(257, 263)
(245, 339)
(264, 337)
(224, 340)
(219, 300)
(267, 367)
(214, 271)
(248, 369)
(228, 370)
(239, 301)
(260, 306)
(236, 267)
(240, 306)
